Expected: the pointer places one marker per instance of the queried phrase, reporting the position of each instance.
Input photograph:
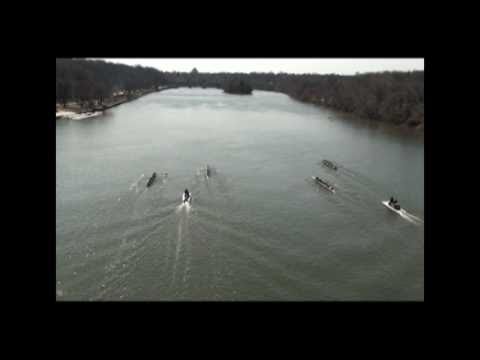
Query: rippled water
(258, 228)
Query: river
(258, 228)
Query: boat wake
(182, 206)
(135, 183)
(404, 214)
(181, 264)
(413, 218)
(177, 249)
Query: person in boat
(323, 182)
(150, 181)
(396, 206)
(392, 201)
(332, 165)
(187, 194)
(208, 171)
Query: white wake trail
(135, 183)
(415, 218)
(410, 217)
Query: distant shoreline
(75, 111)
(418, 128)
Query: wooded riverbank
(386, 97)
(94, 106)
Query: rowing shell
(329, 165)
(324, 185)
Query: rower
(150, 181)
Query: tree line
(396, 97)
(237, 86)
(83, 81)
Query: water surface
(258, 228)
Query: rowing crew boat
(329, 164)
(324, 184)
(152, 179)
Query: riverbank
(76, 116)
(76, 111)
(416, 126)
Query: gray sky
(343, 66)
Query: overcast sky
(305, 65)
